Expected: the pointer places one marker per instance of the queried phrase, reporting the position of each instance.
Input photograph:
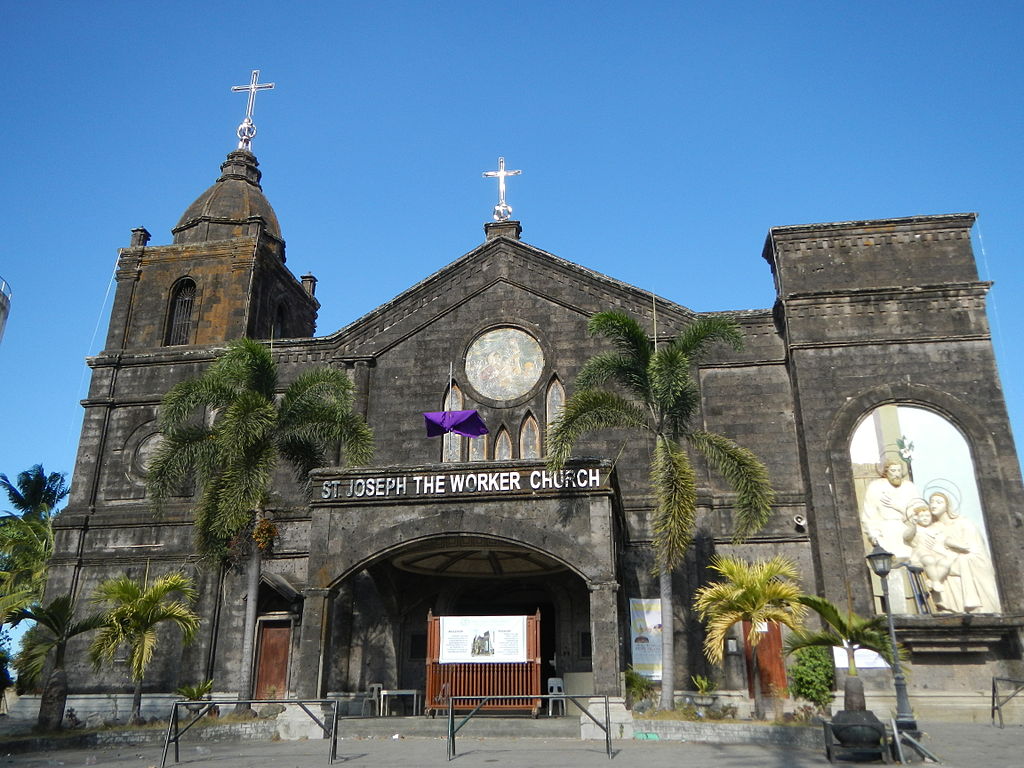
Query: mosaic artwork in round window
(504, 364)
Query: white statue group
(927, 533)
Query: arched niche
(917, 496)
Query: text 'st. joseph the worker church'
(869, 390)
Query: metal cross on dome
(246, 131)
(502, 211)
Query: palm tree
(848, 631)
(134, 615)
(26, 545)
(657, 396)
(26, 538)
(230, 428)
(36, 494)
(755, 592)
(54, 626)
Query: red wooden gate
(500, 679)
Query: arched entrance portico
(383, 561)
(376, 624)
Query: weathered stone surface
(867, 313)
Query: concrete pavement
(958, 745)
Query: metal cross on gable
(246, 131)
(502, 211)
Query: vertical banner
(645, 636)
(482, 639)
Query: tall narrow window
(554, 402)
(478, 448)
(502, 445)
(529, 438)
(280, 323)
(179, 325)
(452, 448)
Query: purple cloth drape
(466, 423)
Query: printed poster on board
(645, 636)
(483, 639)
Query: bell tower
(224, 274)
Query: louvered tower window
(179, 329)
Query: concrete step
(480, 726)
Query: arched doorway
(377, 628)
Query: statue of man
(884, 514)
(884, 520)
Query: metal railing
(999, 700)
(199, 709)
(483, 700)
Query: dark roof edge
(965, 219)
(516, 244)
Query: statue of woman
(971, 582)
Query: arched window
(529, 438)
(478, 448)
(280, 323)
(179, 323)
(451, 449)
(502, 445)
(554, 402)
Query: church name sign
(460, 483)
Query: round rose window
(504, 364)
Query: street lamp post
(881, 564)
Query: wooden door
(275, 639)
(770, 659)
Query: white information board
(482, 639)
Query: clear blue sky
(658, 141)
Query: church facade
(875, 361)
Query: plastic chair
(556, 685)
(372, 698)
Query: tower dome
(233, 207)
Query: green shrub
(196, 692)
(812, 675)
(638, 687)
(703, 685)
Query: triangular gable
(499, 260)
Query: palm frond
(314, 389)
(135, 611)
(356, 439)
(694, 340)
(625, 333)
(848, 629)
(35, 494)
(249, 366)
(807, 639)
(675, 490)
(670, 381)
(13, 601)
(755, 592)
(745, 474)
(587, 411)
(611, 367)
(186, 401)
(717, 630)
(55, 625)
(180, 451)
(316, 416)
(228, 428)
